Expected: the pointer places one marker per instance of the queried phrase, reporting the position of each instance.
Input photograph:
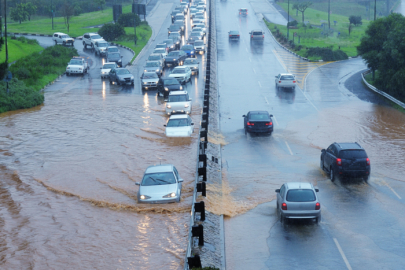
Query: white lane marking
(275, 119)
(266, 100)
(259, 84)
(342, 254)
(399, 197)
(254, 70)
(289, 149)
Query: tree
(127, 19)
(111, 31)
(350, 28)
(67, 11)
(19, 13)
(99, 3)
(31, 9)
(301, 7)
(356, 20)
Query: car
(105, 69)
(201, 8)
(199, 46)
(185, 6)
(193, 37)
(193, 12)
(182, 74)
(178, 102)
(63, 39)
(345, 159)
(198, 19)
(114, 57)
(199, 14)
(179, 17)
(162, 46)
(179, 125)
(77, 65)
(198, 30)
(202, 26)
(203, 5)
(176, 37)
(112, 49)
(157, 57)
(170, 44)
(298, 200)
(243, 12)
(174, 13)
(175, 58)
(256, 35)
(153, 66)
(286, 80)
(258, 122)
(90, 38)
(234, 35)
(182, 26)
(149, 80)
(167, 85)
(161, 51)
(100, 47)
(160, 184)
(189, 50)
(174, 28)
(193, 64)
(121, 76)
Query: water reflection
(285, 96)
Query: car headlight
(157, 70)
(172, 46)
(186, 106)
(144, 70)
(177, 42)
(144, 82)
(192, 52)
(170, 195)
(132, 77)
(166, 89)
(181, 87)
(169, 106)
(144, 197)
(174, 59)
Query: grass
(17, 50)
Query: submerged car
(114, 57)
(149, 80)
(199, 46)
(160, 184)
(178, 102)
(179, 125)
(182, 74)
(193, 64)
(105, 70)
(298, 200)
(167, 85)
(153, 66)
(121, 76)
(258, 122)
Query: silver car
(179, 126)
(286, 80)
(298, 200)
(193, 64)
(178, 102)
(160, 184)
(153, 66)
(105, 70)
(149, 80)
(199, 46)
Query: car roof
(110, 63)
(258, 112)
(112, 47)
(257, 30)
(285, 74)
(176, 93)
(59, 33)
(298, 185)
(349, 145)
(179, 116)
(159, 168)
(120, 68)
(190, 58)
(156, 54)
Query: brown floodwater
(68, 171)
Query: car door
(176, 174)
(329, 157)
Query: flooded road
(68, 170)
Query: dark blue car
(189, 50)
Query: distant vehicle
(105, 70)
(161, 51)
(100, 47)
(201, 9)
(243, 12)
(193, 37)
(286, 80)
(174, 28)
(199, 46)
(193, 64)
(175, 58)
(256, 35)
(258, 122)
(185, 6)
(179, 126)
(198, 30)
(170, 43)
(176, 37)
(202, 26)
(234, 35)
(160, 184)
(298, 200)
(167, 85)
(178, 102)
(64, 39)
(189, 50)
(157, 57)
(90, 38)
(153, 66)
(114, 57)
(162, 46)
(345, 159)
(77, 65)
(193, 12)
(149, 80)
(181, 24)
(179, 17)
(182, 74)
(112, 49)
(121, 76)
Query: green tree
(127, 19)
(19, 13)
(68, 11)
(31, 9)
(301, 7)
(100, 3)
(356, 20)
(111, 31)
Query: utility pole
(134, 20)
(375, 9)
(5, 28)
(288, 19)
(329, 13)
(52, 14)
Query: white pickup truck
(77, 65)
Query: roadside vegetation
(19, 47)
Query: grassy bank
(18, 48)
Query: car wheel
(118, 82)
(365, 178)
(332, 174)
(321, 165)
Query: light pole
(288, 19)
(5, 28)
(329, 14)
(375, 10)
(52, 14)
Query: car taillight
(252, 36)
(293, 81)
(368, 161)
(339, 161)
(317, 206)
(230, 35)
(263, 36)
(238, 35)
(269, 123)
(240, 13)
(250, 124)
(279, 81)
(284, 206)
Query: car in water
(298, 200)
(153, 66)
(114, 57)
(188, 49)
(256, 35)
(193, 37)
(149, 80)
(285, 80)
(345, 160)
(77, 65)
(243, 12)
(174, 28)
(234, 35)
(199, 46)
(62, 38)
(182, 74)
(157, 57)
(167, 85)
(258, 122)
(179, 125)
(178, 102)
(161, 51)
(170, 44)
(121, 76)
(100, 47)
(193, 64)
(175, 58)
(160, 184)
(106, 68)
(90, 38)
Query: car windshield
(108, 66)
(154, 57)
(150, 75)
(351, 154)
(65, 36)
(171, 82)
(195, 34)
(178, 71)
(152, 64)
(190, 61)
(187, 48)
(243, 9)
(173, 54)
(234, 32)
(113, 50)
(103, 44)
(177, 123)
(123, 71)
(113, 55)
(75, 62)
(258, 116)
(95, 37)
(199, 43)
(177, 98)
(156, 179)
(168, 41)
(257, 33)
(161, 46)
(287, 77)
(300, 195)
(159, 51)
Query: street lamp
(375, 9)
(288, 19)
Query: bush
(293, 23)
(327, 54)
(23, 73)
(111, 31)
(356, 20)
(127, 19)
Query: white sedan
(179, 125)
(182, 74)
(162, 51)
(105, 70)
(286, 80)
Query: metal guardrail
(396, 101)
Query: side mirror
(181, 180)
(317, 189)
(323, 150)
(278, 190)
(137, 183)
(271, 115)
(243, 115)
(164, 125)
(101, 68)
(192, 124)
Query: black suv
(345, 159)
